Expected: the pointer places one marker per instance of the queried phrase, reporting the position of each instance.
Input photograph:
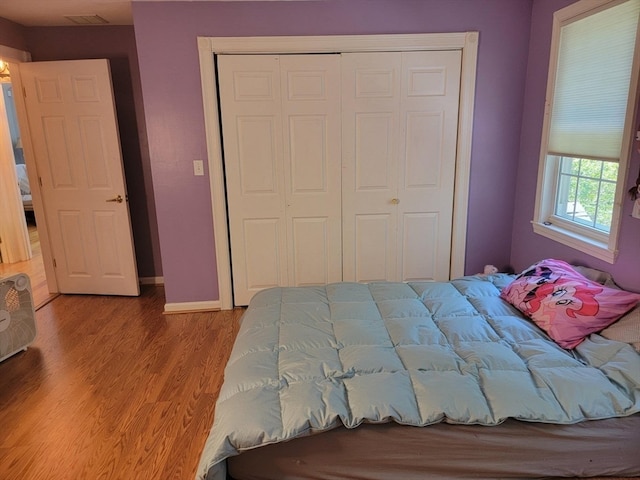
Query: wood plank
(33, 268)
(112, 388)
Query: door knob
(395, 201)
(118, 199)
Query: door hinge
(40, 180)
(24, 92)
(55, 265)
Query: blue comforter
(313, 358)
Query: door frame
(15, 57)
(209, 47)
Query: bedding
(312, 359)
(564, 303)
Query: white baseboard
(151, 280)
(188, 307)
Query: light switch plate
(198, 168)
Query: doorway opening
(33, 266)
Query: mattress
(513, 449)
(309, 362)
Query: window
(586, 191)
(591, 94)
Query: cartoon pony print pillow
(565, 304)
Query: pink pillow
(565, 304)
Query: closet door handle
(395, 201)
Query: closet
(339, 166)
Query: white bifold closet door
(339, 167)
(399, 136)
(281, 140)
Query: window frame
(590, 241)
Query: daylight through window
(586, 192)
(591, 94)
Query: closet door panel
(374, 254)
(308, 155)
(256, 169)
(370, 131)
(310, 250)
(281, 128)
(429, 126)
(262, 253)
(420, 232)
(251, 117)
(424, 131)
(400, 115)
(374, 152)
(310, 86)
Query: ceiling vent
(86, 19)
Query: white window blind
(592, 83)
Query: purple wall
(528, 247)
(166, 37)
(116, 43)
(12, 35)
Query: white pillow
(603, 278)
(626, 330)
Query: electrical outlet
(636, 209)
(198, 168)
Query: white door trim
(11, 54)
(210, 46)
(15, 57)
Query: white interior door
(75, 139)
(281, 130)
(400, 119)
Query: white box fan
(17, 315)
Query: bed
(419, 380)
(25, 189)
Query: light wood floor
(112, 389)
(33, 268)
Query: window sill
(574, 240)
